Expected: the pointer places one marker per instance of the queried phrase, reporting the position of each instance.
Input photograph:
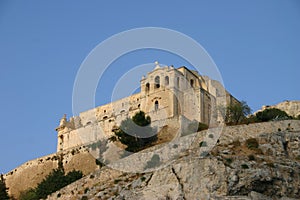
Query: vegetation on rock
(252, 143)
(56, 180)
(271, 114)
(193, 127)
(3, 189)
(236, 113)
(239, 113)
(135, 133)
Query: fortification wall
(244, 132)
(228, 134)
(29, 174)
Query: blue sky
(255, 44)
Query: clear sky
(255, 44)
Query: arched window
(157, 82)
(192, 82)
(166, 80)
(178, 82)
(156, 105)
(147, 87)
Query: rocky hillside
(256, 161)
(292, 108)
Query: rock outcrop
(248, 162)
(292, 108)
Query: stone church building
(168, 95)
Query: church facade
(167, 94)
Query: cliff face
(256, 161)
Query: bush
(3, 189)
(271, 114)
(143, 178)
(244, 166)
(252, 143)
(29, 194)
(228, 160)
(236, 143)
(194, 127)
(202, 126)
(203, 144)
(251, 157)
(204, 154)
(53, 182)
(135, 133)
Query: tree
(3, 189)
(237, 113)
(53, 182)
(135, 133)
(29, 194)
(271, 114)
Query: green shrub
(135, 133)
(143, 178)
(194, 127)
(117, 181)
(251, 157)
(203, 154)
(202, 126)
(84, 198)
(269, 164)
(228, 160)
(99, 163)
(3, 189)
(73, 176)
(29, 194)
(236, 143)
(272, 114)
(252, 143)
(203, 144)
(53, 182)
(245, 166)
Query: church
(168, 95)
